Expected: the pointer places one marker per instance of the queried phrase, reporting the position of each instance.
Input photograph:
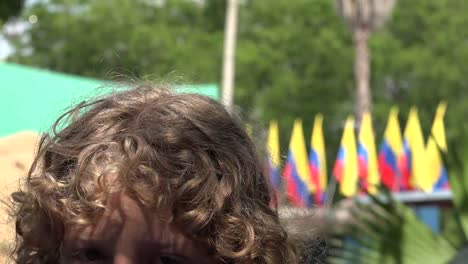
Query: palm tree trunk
(361, 72)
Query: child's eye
(89, 255)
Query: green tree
(136, 38)
(419, 59)
(293, 61)
(9, 8)
(294, 58)
(287, 49)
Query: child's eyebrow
(95, 232)
(84, 242)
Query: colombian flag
(274, 155)
(367, 158)
(413, 160)
(437, 173)
(317, 161)
(404, 164)
(345, 169)
(389, 152)
(296, 172)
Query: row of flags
(403, 163)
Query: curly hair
(179, 151)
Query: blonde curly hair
(179, 151)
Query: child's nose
(125, 259)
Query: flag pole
(331, 191)
(230, 32)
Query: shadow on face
(128, 232)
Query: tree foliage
(294, 58)
(139, 38)
(420, 59)
(9, 8)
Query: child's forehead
(122, 206)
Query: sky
(5, 49)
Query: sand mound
(16, 155)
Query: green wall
(31, 98)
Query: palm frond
(457, 162)
(383, 231)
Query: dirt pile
(16, 155)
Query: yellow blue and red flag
(274, 155)
(296, 172)
(367, 157)
(390, 152)
(413, 159)
(345, 169)
(436, 144)
(317, 161)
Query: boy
(148, 176)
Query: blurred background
(280, 59)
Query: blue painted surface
(430, 215)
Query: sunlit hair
(184, 152)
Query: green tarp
(31, 98)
